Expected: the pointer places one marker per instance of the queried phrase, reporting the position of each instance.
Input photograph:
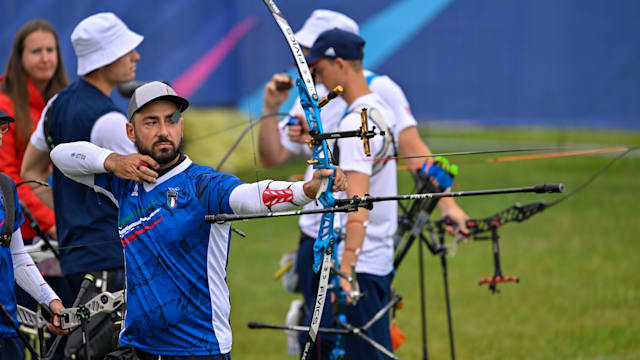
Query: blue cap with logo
(336, 43)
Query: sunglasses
(4, 126)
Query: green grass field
(579, 294)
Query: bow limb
(327, 235)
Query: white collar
(175, 171)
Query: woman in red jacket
(34, 74)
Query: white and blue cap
(154, 91)
(336, 43)
(100, 40)
(320, 21)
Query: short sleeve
(37, 137)
(393, 95)
(352, 157)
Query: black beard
(163, 157)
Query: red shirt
(11, 155)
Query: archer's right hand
(276, 92)
(298, 129)
(136, 167)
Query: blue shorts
(377, 290)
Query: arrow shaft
(557, 154)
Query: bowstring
(67, 247)
(255, 159)
(217, 132)
(593, 177)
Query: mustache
(163, 140)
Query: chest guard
(388, 149)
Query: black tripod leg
(85, 340)
(381, 312)
(443, 259)
(403, 251)
(423, 310)
(52, 349)
(360, 333)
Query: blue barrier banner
(571, 63)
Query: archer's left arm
(276, 196)
(28, 277)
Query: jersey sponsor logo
(135, 190)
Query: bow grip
(323, 187)
(548, 188)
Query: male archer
(336, 58)
(177, 297)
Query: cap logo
(166, 88)
(330, 52)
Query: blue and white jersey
(7, 292)
(177, 296)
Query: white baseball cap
(100, 40)
(322, 20)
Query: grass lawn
(579, 294)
